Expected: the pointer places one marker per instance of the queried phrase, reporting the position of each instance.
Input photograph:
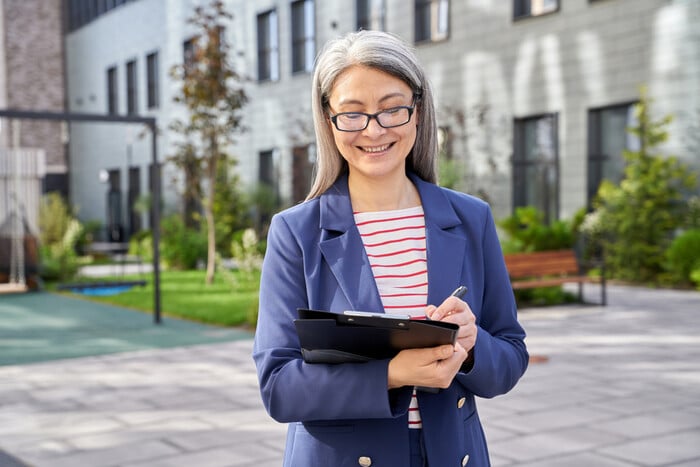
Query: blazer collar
(336, 209)
(445, 250)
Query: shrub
(695, 277)
(246, 251)
(683, 256)
(59, 232)
(527, 232)
(141, 245)
(181, 247)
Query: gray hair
(387, 53)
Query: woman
(377, 234)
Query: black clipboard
(328, 337)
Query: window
(432, 20)
(535, 165)
(268, 47)
(81, 12)
(371, 14)
(266, 169)
(188, 51)
(115, 229)
(131, 94)
(607, 138)
(303, 158)
(525, 8)
(154, 174)
(112, 94)
(303, 40)
(152, 80)
(132, 199)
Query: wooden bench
(549, 269)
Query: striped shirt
(395, 245)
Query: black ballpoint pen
(459, 292)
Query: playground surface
(41, 326)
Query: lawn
(232, 299)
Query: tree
(638, 217)
(212, 93)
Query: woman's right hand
(433, 367)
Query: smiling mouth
(376, 149)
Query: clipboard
(328, 337)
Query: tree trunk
(209, 211)
(211, 238)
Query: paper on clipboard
(327, 337)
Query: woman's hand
(454, 310)
(433, 367)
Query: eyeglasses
(358, 121)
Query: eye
(352, 116)
(393, 110)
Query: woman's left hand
(455, 310)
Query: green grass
(229, 301)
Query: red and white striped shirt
(395, 245)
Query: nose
(373, 127)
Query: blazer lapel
(344, 252)
(446, 251)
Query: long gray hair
(387, 53)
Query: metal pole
(155, 228)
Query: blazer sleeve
(293, 390)
(500, 354)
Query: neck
(369, 195)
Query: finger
(443, 352)
(450, 306)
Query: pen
(459, 292)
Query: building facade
(533, 96)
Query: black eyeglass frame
(410, 108)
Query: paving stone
(109, 457)
(659, 450)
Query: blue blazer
(343, 415)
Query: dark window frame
(364, 17)
(268, 45)
(303, 46)
(422, 10)
(520, 164)
(595, 157)
(112, 90)
(132, 97)
(189, 49)
(523, 9)
(266, 168)
(152, 81)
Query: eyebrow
(387, 97)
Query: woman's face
(374, 152)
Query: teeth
(376, 148)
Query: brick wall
(34, 66)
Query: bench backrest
(542, 263)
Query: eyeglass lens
(356, 121)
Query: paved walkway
(620, 387)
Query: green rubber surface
(42, 326)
